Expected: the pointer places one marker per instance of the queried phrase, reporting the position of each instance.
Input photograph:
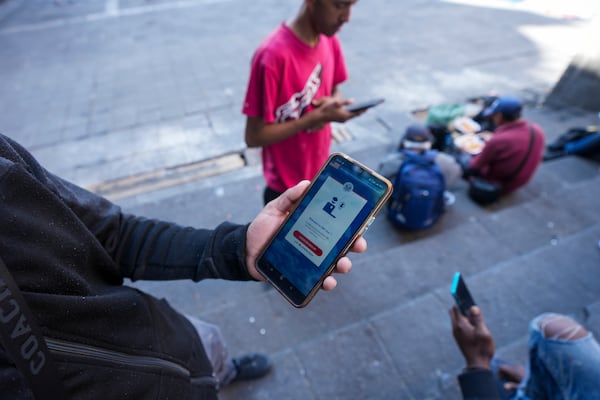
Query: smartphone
(338, 206)
(461, 294)
(363, 105)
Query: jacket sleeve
(157, 250)
(143, 248)
(151, 249)
(478, 385)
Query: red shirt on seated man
(514, 140)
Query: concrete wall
(579, 86)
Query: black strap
(524, 161)
(24, 343)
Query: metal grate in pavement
(167, 177)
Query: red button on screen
(305, 241)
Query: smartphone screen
(338, 206)
(461, 294)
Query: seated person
(564, 360)
(417, 138)
(514, 151)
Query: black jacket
(69, 252)
(478, 385)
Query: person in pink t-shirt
(293, 94)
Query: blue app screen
(324, 222)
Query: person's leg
(270, 194)
(587, 145)
(463, 159)
(564, 360)
(216, 350)
(451, 169)
(226, 369)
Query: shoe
(449, 198)
(251, 366)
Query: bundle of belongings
(578, 141)
(447, 121)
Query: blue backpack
(418, 198)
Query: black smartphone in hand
(364, 105)
(338, 206)
(462, 295)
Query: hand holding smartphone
(338, 206)
(462, 295)
(364, 105)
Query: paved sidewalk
(78, 77)
(140, 100)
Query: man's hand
(326, 109)
(270, 218)
(331, 109)
(472, 337)
(512, 374)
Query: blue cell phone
(337, 207)
(462, 295)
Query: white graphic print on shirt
(298, 102)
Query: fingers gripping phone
(462, 295)
(339, 205)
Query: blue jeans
(559, 369)
(587, 145)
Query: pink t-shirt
(286, 76)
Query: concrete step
(592, 318)
(403, 346)
(386, 329)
